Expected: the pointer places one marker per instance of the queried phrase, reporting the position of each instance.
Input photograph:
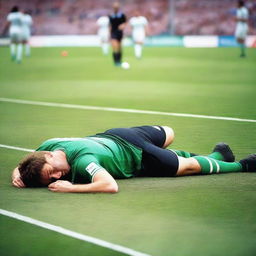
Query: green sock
(210, 165)
(183, 153)
(216, 156)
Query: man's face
(49, 174)
(136, 13)
(50, 171)
(116, 7)
(239, 4)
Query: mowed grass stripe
(73, 234)
(125, 110)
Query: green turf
(203, 215)
(41, 242)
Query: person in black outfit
(117, 25)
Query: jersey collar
(116, 15)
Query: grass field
(197, 215)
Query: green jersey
(86, 156)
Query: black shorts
(156, 161)
(117, 35)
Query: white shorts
(16, 37)
(103, 35)
(241, 31)
(15, 34)
(138, 37)
(25, 35)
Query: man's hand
(16, 180)
(61, 186)
(122, 26)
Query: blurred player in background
(103, 33)
(117, 25)
(242, 16)
(26, 31)
(139, 31)
(14, 22)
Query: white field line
(124, 110)
(16, 148)
(73, 234)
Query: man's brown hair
(30, 168)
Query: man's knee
(169, 136)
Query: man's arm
(102, 182)
(123, 24)
(16, 180)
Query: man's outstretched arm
(16, 180)
(102, 182)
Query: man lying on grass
(92, 164)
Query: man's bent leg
(169, 134)
(188, 166)
(241, 42)
(116, 46)
(160, 136)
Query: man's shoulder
(132, 19)
(85, 159)
(245, 10)
(144, 19)
(103, 19)
(11, 16)
(27, 17)
(84, 166)
(123, 16)
(47, 144)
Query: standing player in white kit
(139, 29)
(14, 20)
(103, 33)
(242, 15)
(26, 31)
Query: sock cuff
(208, 165)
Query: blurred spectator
(192, 17)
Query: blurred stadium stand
(187, 17)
